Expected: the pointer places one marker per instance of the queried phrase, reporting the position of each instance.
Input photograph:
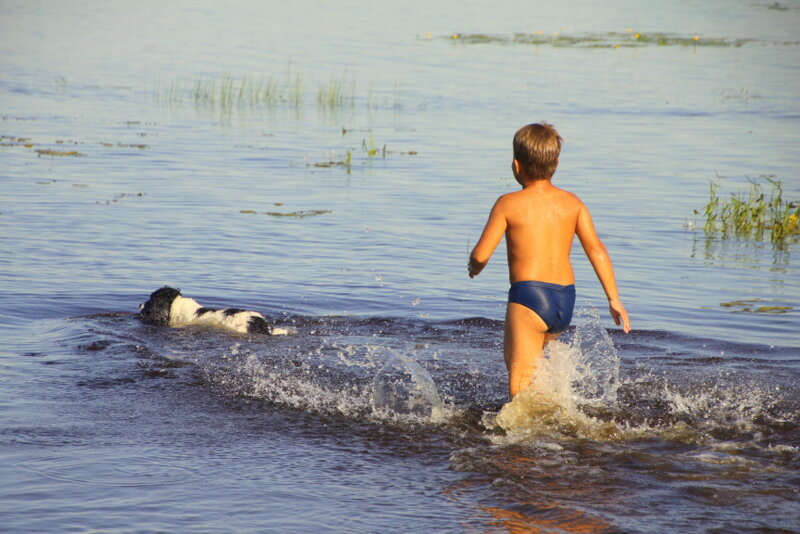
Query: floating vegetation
(292, 214)
(49, 152)
(120, 197)
(752, 214)
(10, 140)
(628, 38)
(752, 306)
(347, 163)
(140, 146)
(777, 6)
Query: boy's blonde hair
(537, 147)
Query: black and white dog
(166, 307)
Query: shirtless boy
(538, 223)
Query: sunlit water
(348, 220)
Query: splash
(551, 406)
(366, 382)
(403, 389)
(578, 393)
(574, 374)
(596, 373)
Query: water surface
(350, 222)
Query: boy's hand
(620, 315)
(474, 267)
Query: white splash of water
(596, 375)
(357, 381)
(568, 376)
(403, 389)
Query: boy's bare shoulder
(506, 199)
(569, 197)
(552, 196)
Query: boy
(539, 222)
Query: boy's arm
(490, 238)
(601, 262)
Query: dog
(166, 307)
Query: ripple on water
(89, 469)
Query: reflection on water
(743, 254)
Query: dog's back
(167, 307)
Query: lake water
(331, 167)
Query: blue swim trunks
(552, 302)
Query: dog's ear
(157, 309)
(258, 325)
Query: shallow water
(350, 222)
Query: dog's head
(156, 309)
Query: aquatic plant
(370, 149)
(752, 214)
(339, 92)
(247, 91)
(750, 306)
(293, 214)
(11, 140)
(628, 38)
(227, 93)
(347, 163)
(49, 152)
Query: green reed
(227, 93)
(370, 149)
(339, 92)
(247, 91)
(752, 214)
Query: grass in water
(228, 93)
(249, 90)
(753, 214)
(370, 149)
(339, 92)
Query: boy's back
(540, 220)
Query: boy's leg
(524, 340)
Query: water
(385, 410)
